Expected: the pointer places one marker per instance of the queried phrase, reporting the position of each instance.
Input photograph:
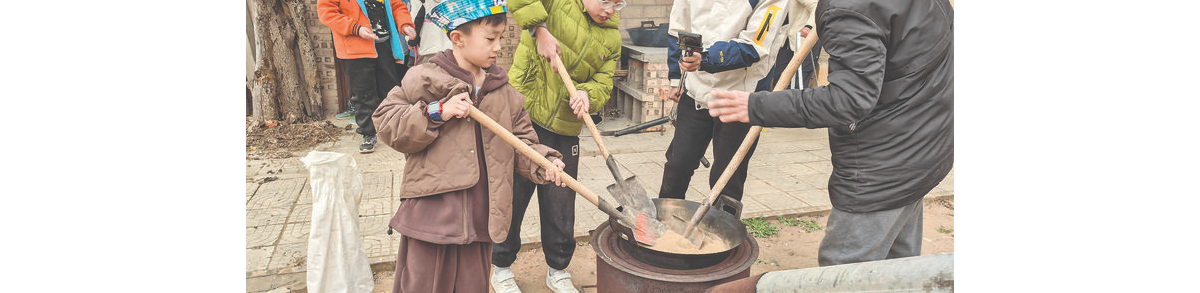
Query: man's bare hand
(730, 106)
(690, 63)
(675, 93)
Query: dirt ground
(790, 248)
(274, 140)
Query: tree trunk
(282, 39)
(263, 87)
(282, 89)
(298, 14)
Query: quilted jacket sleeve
(330, 14)
(529, 13)
(599, 86)
(401, 122)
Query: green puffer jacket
(590, 51)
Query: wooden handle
(780, 84)
(562, 71)
(531, 154)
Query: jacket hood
(494, 78)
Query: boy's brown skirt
(426, 267)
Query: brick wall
(635, 12)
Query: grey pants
(862, 237)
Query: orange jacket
(344, 17)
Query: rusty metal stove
(618, 271)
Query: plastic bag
(337, 261)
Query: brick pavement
(788, 175)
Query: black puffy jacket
(889, 105)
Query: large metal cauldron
(617, 271)
(722, 223)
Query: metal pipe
(929, 273)
(639, 127)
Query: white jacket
(433, 39)
(760, 26)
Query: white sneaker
(560, 281)
(504, 281)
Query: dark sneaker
(368, 144)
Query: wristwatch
(435, 111)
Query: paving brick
(378, 245)
(301, 213)
(377, 185)
(257, 258)
(752, 208)
(368, 225)
(798, 169)
(791, 183)
(759, 187)
(251, 187)
(279, 193)
(305, 194)
(264, 217)
(817, 198)
(822, 166)
(295, 233)
(376, 206)
(289, 255)
(262, 236)
(821, 181)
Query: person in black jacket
(889, 107)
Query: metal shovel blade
(629, 192)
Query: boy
(366, 38)
(456, 194)
(590, 48)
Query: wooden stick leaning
(690, 232)
(628, 193)
(646, 229)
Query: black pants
(694, 129)
(557, 209)
(370, 80)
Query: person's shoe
(560, 281)
(368, 144)
(349, 114)
(503, 280)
